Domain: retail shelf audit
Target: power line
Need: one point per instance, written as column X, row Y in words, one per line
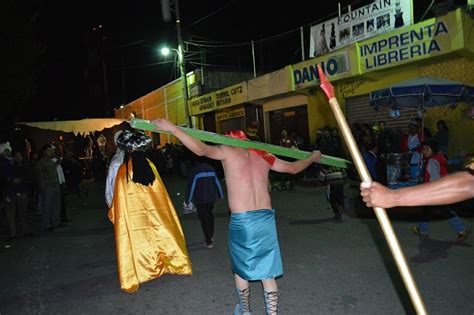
column 143, row 66
column 218, row 46
column 208, row 40
column 209, row 65
column 173, row 71
column 126, row 45
column 211, row 14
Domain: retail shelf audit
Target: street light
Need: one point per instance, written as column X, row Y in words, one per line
column 165, row 51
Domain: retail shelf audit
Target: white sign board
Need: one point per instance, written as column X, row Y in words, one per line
column 361, row 23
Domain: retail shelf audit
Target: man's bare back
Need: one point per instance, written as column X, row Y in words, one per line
column 246, row 176
column 246, row 173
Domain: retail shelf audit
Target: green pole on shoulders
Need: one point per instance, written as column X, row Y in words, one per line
column 207, row 136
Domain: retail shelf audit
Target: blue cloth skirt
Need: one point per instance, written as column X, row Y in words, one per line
column 253, row 245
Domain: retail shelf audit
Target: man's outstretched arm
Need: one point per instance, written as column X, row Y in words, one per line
column 296, row 166
column 447, row 190
column 196, row 146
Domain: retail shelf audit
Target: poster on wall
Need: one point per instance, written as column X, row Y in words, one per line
column 379, row 17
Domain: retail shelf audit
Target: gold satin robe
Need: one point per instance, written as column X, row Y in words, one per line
column 148, row 236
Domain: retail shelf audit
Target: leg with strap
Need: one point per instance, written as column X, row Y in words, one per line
column 243, row 308
column 271, row 302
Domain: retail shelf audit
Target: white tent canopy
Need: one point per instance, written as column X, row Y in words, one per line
column 83, row 126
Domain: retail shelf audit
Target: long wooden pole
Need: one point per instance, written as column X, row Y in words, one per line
column 380, row 213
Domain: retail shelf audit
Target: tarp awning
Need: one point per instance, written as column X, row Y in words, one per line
column 422, row 92
column 83, row 126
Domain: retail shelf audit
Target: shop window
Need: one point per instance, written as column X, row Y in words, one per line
column 232, row 124
column 294, row 119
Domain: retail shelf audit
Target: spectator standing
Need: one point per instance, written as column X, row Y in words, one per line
column 299, row 141
column 333, row 179
column 17, row 179
column 442, row 136
column 202, row 189
column 49, row 189
column 286, row 140
column 412, row 142
column 101, row 142
column 435, row 168
column 337, row 142
column 370, row 159
column 357, row 132
column 34, row 200
column 73, row 173
column 62, row 184
column 367, row 137
column 319, row 138
column 327, row 145
column 5, row 163
column 420, row 125
column 386, row 140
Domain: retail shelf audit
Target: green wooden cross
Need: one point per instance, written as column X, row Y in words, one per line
column 246, row 144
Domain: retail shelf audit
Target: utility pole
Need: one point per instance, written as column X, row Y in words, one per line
column 182, row 67
column 253, row 61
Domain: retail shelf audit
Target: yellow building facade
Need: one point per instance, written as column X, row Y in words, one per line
column 441, row 47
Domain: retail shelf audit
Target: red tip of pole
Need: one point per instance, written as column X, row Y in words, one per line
column 325, row 84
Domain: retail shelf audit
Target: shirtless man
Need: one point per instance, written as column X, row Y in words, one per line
column 253, row 243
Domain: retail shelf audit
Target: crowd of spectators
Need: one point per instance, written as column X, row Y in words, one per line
column 36, row 185
column 377, row 142
column 26, row 177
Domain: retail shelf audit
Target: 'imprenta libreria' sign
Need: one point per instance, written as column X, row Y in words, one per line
column 420, row 41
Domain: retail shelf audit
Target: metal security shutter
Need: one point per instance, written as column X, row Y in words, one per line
column 358, row 110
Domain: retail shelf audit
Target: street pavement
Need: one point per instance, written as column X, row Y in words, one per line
column 330, row 267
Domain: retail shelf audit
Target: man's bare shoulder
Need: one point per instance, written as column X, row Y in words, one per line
column 228, row 148
column 224, row 151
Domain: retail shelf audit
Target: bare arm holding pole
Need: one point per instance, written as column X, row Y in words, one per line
column 447, row 190
column 380, row 213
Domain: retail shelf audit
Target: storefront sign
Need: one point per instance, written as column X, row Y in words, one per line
column 233, row 95
column 230, row 114
column 305, row 74
column 417, row 42
column 361, row 23
column 202, row 104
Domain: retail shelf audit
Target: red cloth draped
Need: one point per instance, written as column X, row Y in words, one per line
column 239, row 134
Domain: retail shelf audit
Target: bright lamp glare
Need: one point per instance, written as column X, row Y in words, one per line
column 165, row 51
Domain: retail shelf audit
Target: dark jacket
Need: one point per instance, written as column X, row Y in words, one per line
column 202, row 185
column 18, row 177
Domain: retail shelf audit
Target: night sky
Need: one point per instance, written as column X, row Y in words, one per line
column 68, row 87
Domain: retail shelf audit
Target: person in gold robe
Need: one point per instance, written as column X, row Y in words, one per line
column 148, row 236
